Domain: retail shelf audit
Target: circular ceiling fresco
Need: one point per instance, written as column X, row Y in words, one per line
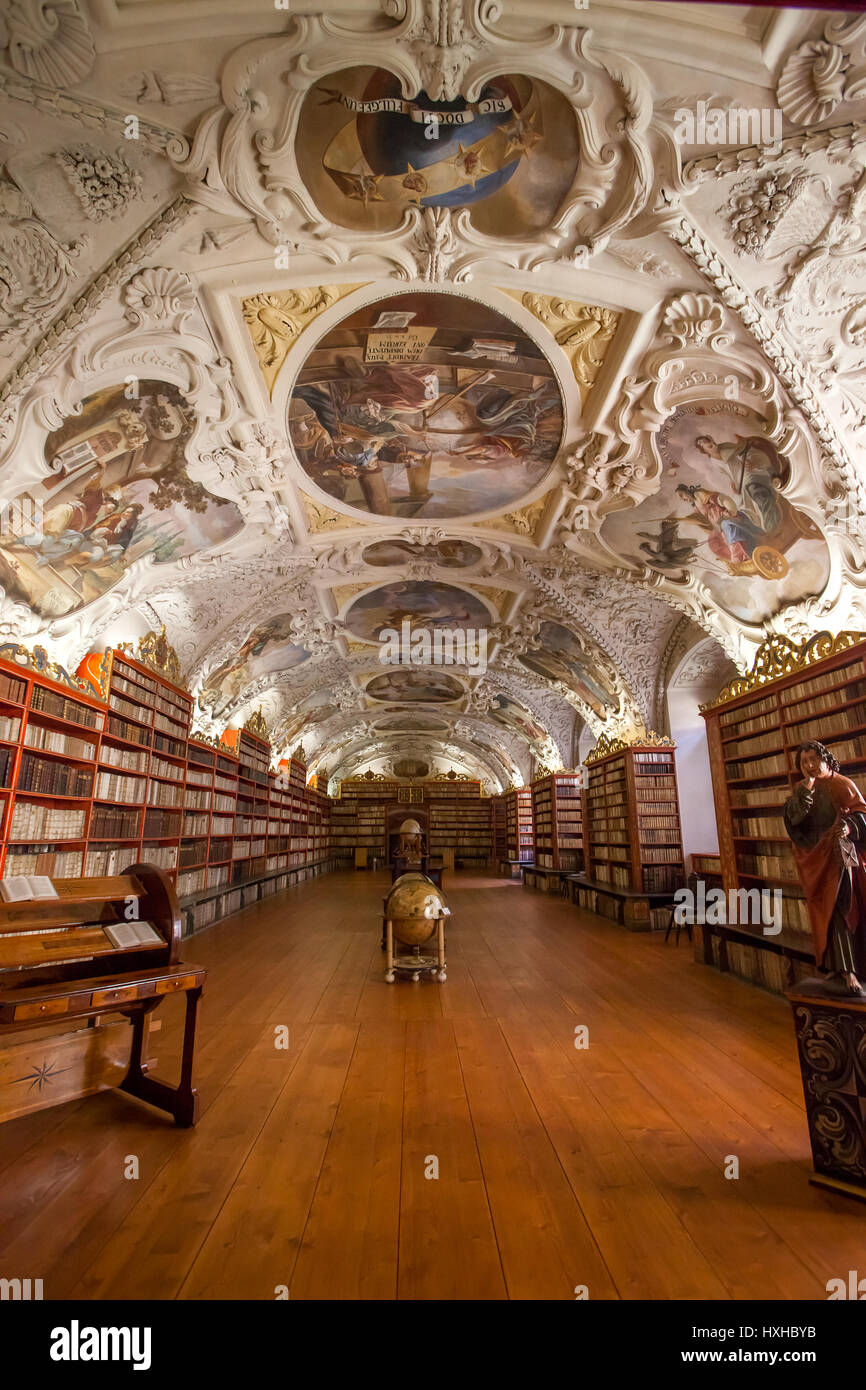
column 417, row 602
column 426, row 405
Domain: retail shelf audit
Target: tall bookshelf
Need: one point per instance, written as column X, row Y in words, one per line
column 519, row 838
column 557, row 819
column 498, row 808
column 634, row 835
column 461, row 820
column 249, row 848
column 50, row 735
column 795, row 692
column 138, row 805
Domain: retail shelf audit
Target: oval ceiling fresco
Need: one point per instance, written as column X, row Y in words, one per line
column 508, row 712
column 560, row 657
column 420, row 603
column 411, row 722
column 399, row 686
column 719, row 514
column 118, row 491
column 267, row 648
column 426, row 405
column 366, row 153
column 454, row 554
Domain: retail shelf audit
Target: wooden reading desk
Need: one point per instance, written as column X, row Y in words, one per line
column 59, row 964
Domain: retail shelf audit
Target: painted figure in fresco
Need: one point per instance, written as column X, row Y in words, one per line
column 755, row 470
column 65, row 525
column 826, row 820
column 668, row 549
column 733, row 535
column 228, row 680
column 414, row 685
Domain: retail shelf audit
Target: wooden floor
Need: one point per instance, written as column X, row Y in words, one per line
column 558, row 1167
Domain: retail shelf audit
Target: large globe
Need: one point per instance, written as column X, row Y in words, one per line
column 412, row 906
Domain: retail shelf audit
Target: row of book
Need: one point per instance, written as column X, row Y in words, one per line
column 659, row 878
column 117, row 786
column 103, row 863
column 52, row 702
column 110, row 823
column 766, row 865
column 733, row 716
column 164, row 794
column 757, row 767
column 133, row 733
column 43, row 860
column 760, row 826
column 10, row 726
column 11, row 688
column 40, row 736
column 163, row 744
column 825, row 680
column 171, row 772
column 842, row 723
column 53, row 778
column 33, row 821
column 766, row 795
column 760, row 723
column 659, row 855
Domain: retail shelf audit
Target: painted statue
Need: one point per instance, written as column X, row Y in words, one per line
column 826, row 820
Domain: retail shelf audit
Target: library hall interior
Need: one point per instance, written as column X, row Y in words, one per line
column 432, row 651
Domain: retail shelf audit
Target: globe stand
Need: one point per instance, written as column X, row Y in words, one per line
column 411, row 962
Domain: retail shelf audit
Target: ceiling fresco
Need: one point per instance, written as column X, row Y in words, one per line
column 426, row 405
column 366, row 153
column 387, row 301
column 418, row 602
column 118, row 490
column 721, row 513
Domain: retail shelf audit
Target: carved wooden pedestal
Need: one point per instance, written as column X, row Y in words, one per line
column 831, row 1040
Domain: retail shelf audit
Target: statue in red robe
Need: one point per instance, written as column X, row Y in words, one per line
column 826, row 820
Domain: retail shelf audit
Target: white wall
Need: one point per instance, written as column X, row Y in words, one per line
column 697, row 808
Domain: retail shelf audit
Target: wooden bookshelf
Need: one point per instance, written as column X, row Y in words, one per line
column 634, row 838
column 500, row 826
column 49, row 754
column 557, row 819
column 519, row 836
column 461, row 822
column 815, row 690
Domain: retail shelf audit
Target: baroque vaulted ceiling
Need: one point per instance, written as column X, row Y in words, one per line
column 517, row 317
